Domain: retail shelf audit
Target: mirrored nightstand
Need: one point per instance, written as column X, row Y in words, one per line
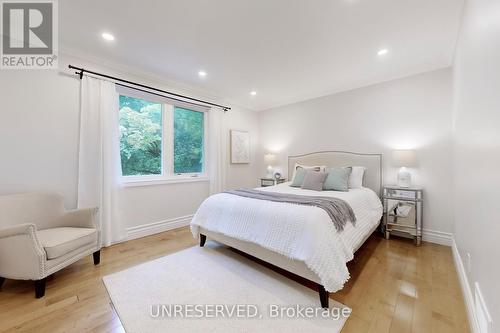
column 271, row 181
column 403, row 212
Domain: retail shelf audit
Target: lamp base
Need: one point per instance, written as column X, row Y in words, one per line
column 404, row 178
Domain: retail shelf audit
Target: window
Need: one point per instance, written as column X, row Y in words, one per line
column 140, row 136
column 160, row 139
column 188, row 141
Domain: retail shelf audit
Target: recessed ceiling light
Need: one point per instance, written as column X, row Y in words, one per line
column 108, row 36
column 382, row 52
column 253, row 93
column 202, row 74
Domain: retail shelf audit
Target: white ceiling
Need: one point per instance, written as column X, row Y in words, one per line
column 286, row 50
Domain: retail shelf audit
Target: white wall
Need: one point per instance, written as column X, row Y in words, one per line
column 39, row 128
column 243, row 175
column 39, row 120
column 477, row 147
column 39, row 138
column 409, row 113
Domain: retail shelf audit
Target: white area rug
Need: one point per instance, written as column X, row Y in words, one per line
column 198, row 282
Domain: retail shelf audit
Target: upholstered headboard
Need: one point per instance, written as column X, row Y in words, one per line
column 372, row 162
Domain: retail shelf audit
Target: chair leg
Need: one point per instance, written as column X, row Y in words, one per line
column 203, row 239
column 97, row 257
column 323, row 297
column 2, row 280
column 40, row 288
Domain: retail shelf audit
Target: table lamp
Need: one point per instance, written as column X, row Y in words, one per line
column 269, row 159
column 404, row 159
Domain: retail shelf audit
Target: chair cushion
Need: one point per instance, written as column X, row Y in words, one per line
column 59, row 241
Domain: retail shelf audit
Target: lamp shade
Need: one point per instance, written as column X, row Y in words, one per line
column 269, row 158
column 404, row 158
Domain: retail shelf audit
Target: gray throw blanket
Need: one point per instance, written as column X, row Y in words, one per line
column 339, row 211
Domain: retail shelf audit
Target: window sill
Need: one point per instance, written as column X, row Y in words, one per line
column 155, row 182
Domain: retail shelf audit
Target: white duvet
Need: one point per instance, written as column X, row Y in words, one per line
column 299, row 232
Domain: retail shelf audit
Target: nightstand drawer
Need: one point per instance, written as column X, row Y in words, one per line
column 398, row 193
column 271, row 181
column 267, row 182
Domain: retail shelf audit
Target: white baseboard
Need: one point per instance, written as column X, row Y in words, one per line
column 157, row 227
column 428, row 235
column 466, row 290
column 431, row 236
column 437, row 237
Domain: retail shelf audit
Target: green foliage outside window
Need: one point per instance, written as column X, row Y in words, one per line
column 188, row 141
column 140, row 136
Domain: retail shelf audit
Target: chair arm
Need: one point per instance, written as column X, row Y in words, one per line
column 20, row 229
column 21, row 254
column 81, row 218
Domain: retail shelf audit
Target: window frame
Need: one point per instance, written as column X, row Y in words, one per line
column 167, row 175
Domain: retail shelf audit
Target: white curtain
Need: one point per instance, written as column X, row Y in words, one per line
column 99, row 169
column 216, row 150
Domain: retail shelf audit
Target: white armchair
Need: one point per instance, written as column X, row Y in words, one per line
column 38, row 237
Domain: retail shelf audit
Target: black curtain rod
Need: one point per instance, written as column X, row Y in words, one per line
column 80, row 72
column 161, row 95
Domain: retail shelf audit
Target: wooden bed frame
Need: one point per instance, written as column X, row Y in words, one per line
column 372, row 179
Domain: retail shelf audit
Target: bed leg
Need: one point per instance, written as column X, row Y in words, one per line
column 323, row 296
column 203, row 239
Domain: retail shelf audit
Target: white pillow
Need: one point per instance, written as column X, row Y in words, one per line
column 356, row 177
column 321, row 168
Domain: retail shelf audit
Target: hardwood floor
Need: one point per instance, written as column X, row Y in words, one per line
column 397, row 287
column 394, row 287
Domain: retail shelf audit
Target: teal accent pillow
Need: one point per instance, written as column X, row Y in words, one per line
column 300, row 174
column 337, row 179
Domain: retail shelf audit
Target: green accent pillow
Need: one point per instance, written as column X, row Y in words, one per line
column 337, row 179
column 300, row 174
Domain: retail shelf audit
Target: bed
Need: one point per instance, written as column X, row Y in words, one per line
column 299, row 239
